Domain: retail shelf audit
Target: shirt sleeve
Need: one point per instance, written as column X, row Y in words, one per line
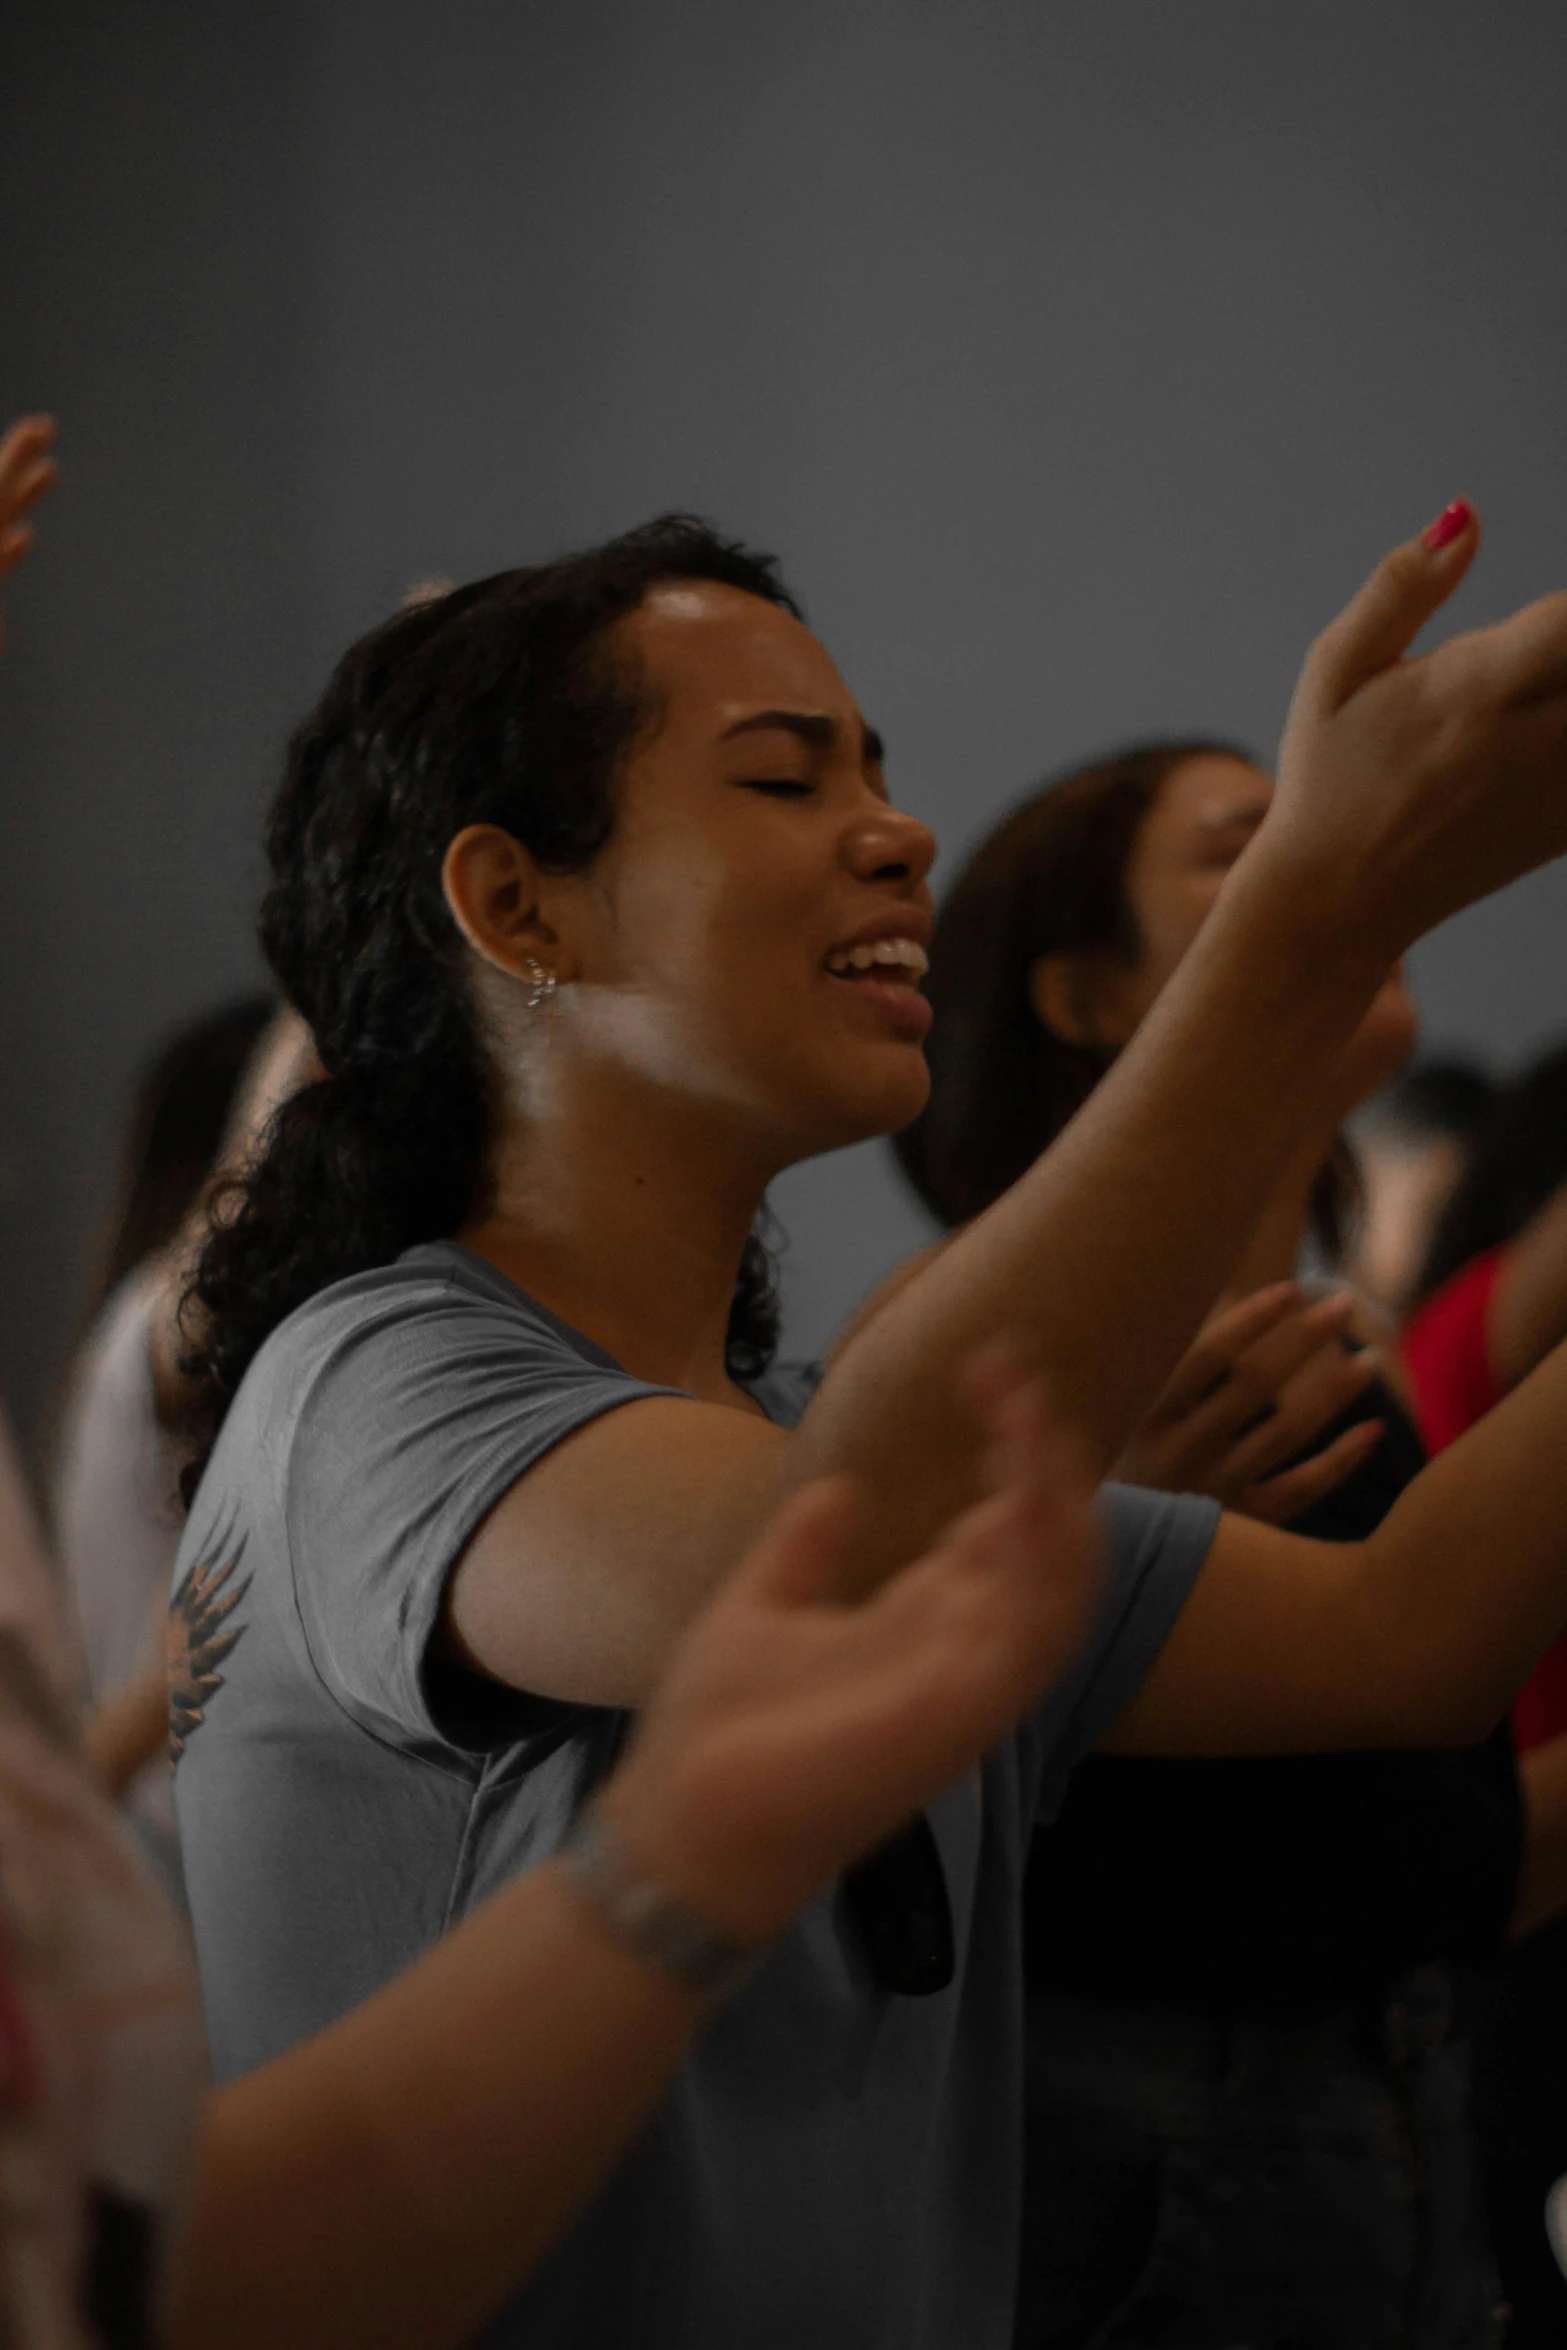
column 1157, row 1543
column 418, row 1415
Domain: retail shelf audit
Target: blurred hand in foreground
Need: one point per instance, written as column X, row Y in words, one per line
column 793, row 1731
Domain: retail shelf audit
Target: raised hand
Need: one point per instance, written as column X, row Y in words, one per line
column 1259, row 1381
column 792, row 1731
column 1409, row 787
column 27, row 472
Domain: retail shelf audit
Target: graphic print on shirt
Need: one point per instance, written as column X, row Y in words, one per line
column 201, row 1636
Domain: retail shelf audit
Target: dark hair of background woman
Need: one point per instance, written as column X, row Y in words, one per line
column 182, row 1104
column 496, row 704
column 1519, row 1158
column 1050, row 879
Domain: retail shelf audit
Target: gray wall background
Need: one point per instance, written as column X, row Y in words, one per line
column 1079, row 358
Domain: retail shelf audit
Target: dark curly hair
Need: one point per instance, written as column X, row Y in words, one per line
column 1050, row 879
column 498, row 703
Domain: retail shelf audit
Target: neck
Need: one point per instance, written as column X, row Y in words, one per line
column 629, row 1222
column 1273, row 1250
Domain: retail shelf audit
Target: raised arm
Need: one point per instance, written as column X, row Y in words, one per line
column 1407, row 788
column 394, row 2179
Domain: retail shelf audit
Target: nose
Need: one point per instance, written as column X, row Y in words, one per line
column 887, row 845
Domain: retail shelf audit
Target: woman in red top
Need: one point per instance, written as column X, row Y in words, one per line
column 1493, row 1303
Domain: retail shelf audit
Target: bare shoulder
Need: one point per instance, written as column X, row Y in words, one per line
column 587, row 1569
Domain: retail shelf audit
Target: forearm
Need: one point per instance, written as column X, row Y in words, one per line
column 1104, row 1259
column 392, row 2180
column 1542, row 1880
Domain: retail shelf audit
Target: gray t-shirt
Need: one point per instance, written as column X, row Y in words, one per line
column 835, row 2164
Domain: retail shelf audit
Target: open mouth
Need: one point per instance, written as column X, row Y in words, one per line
column 895, row 960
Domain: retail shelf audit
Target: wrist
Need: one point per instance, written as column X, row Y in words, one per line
column 657, row 1923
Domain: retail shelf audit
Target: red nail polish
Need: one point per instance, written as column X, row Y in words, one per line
column 1450, row 524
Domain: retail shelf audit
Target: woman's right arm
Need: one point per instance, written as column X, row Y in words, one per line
column 394, row 2179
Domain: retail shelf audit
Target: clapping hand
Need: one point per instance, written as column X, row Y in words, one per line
column 793, row 1730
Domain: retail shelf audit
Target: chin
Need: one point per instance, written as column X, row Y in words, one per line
column 894, row 1102
column 859, row 1105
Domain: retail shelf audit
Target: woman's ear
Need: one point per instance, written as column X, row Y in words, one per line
column 1058, row 989
column 492, row 887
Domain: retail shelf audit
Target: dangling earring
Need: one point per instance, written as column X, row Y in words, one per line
column 542, row 989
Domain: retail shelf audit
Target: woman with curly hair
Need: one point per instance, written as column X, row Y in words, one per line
column 587, row 884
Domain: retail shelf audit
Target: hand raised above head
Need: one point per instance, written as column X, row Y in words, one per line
column 1410, row 787
column 27, row 472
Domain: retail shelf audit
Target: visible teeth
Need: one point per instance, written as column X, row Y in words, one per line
column 902, row 953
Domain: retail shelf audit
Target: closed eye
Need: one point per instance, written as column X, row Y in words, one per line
column 780, row 787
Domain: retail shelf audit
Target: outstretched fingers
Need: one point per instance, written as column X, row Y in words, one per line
column 1522, row 658
column 1380, row 623
column 1280, row 1500
column 1220, row 1344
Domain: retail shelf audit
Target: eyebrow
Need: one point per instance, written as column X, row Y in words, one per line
column 811, row 726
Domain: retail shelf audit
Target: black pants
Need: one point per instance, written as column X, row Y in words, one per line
column 1197, row 2183
column 1522, row 2100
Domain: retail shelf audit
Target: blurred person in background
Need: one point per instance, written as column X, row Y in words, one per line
column 1412, row 1144
column 1491, row 1302
column 1248, row 2103
column 116, row 1511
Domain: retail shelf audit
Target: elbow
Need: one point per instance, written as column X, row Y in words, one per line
column 1471, row 1727
column 1443, row 1693
column 1453, row 1712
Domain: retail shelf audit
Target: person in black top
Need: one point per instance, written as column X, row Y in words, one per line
column 1248, row 2099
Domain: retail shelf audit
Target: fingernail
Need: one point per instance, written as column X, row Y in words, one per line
column 1450, row 524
